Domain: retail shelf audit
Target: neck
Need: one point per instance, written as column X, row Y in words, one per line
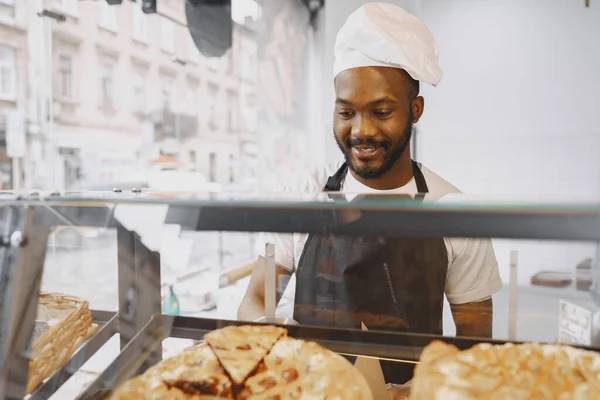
column 399, row 175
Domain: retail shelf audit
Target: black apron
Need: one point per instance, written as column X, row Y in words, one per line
column 387, row 283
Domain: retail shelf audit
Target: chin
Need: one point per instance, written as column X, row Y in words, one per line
column 356, row 163
column 367, row 170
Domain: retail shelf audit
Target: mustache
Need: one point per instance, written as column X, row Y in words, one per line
column 352, row 142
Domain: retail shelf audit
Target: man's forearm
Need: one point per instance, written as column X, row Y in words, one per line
column 253, row 303
column 474, row 319
column 251, row 308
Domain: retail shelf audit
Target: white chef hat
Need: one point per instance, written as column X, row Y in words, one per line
column 385, row 35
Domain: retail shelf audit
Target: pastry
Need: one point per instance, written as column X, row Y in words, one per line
column 195, row 373
column 295, row 369
column 241, row 348
column 63, row 324
column 509, row 371
column 267, row 365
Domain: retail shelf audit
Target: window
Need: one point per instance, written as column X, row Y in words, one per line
column 227, row 61
column 108, row 17
column 212, row 167
column 108, row 85
column 68, row 6
column 8, row 77
column 140, row 23
column 231, row 169
column 231, row 110
column 211, row 99
column 250, row 113
column 139, row 90
column 167, row 94
column 65, row 76
column 190, row 99
column 248, row 66
column 167, row 37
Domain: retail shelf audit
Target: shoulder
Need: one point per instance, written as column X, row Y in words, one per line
column 438, row 186
column 309, row 181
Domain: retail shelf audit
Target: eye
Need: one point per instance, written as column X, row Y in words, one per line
column 346, row 114
column 382, row 113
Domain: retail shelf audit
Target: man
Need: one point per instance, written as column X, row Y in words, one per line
column 382, row 53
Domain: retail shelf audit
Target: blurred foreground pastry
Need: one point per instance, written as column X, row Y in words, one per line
column 249, row 363
column 510, row 371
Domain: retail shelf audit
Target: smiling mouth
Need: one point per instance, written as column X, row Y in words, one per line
column 366, row 152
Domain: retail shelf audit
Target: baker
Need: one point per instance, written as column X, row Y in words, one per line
column 382, row 55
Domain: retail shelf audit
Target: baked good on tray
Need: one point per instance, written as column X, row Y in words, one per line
column 195, row 373
column 249, row 363
column 509, row 371
column 63, row 324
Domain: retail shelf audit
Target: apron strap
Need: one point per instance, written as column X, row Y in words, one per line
column 422, row 188
column 334, row 183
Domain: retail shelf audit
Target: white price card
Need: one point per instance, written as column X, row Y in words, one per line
column 574, row 324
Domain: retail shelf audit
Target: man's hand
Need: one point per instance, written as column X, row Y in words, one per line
column 398, row 392
column 474, row 319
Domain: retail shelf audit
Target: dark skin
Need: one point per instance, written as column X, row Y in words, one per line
column 375, row 105
column 374, row 111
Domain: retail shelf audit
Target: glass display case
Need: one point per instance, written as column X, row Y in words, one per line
column 124, row 255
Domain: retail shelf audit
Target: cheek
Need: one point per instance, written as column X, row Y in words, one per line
column 394, row 129
column 341, row 129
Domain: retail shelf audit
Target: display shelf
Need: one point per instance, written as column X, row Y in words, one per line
column 132, row 360
column 318, row 214
column 388, row 346
column 27, row 221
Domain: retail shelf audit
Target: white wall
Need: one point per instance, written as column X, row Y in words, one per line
column 520, row 98
column 517, row 112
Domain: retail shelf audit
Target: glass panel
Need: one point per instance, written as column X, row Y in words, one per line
column 540, row 290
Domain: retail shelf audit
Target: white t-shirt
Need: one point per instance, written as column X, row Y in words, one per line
column 472, row 267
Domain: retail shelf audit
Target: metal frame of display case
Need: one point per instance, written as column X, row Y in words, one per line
column 27, row 222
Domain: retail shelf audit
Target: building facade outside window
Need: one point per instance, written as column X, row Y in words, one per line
column 8, row 74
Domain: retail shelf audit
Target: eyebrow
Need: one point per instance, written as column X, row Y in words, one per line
column 371, row 103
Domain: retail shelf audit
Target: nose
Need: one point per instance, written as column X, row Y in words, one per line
column 364, row 128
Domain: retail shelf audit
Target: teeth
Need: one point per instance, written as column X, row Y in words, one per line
column 366, row 149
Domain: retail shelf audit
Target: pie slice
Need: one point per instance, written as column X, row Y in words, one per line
column 295, row 369
column 241, row 348
column 194, row 373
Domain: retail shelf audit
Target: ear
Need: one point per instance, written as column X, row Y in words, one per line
column 418, row 105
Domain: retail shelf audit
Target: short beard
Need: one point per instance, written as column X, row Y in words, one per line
column 392, row 154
